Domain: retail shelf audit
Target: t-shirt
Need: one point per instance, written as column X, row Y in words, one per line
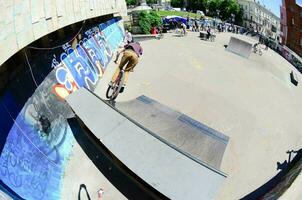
column 128, row 37
column 136, row 47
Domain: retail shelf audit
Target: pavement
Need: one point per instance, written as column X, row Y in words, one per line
column 252, row 101
column 81, row 170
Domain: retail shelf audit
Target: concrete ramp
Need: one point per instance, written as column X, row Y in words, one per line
column 240, row 47
column 187, row 134
column 171, row 172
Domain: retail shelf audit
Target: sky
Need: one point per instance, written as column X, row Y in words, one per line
column 274, row 5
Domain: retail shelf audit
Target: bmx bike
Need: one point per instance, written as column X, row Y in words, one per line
column 212, row 38
column 257, row 50
column 160, row 36
column 114, row 89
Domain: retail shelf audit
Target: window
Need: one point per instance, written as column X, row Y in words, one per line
column 293, row 21
column 301, row 14
column 301, row 42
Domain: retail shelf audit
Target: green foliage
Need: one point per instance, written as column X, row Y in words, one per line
column 149, row 2
column 225, row 8
column 128, row 26
column 177, row 3
column 164, row 13
column 147, row 20
column 131, row 2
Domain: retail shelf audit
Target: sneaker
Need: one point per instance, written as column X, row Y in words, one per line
column 122, row 89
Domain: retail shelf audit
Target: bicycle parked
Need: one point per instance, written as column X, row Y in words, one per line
column 257, row 49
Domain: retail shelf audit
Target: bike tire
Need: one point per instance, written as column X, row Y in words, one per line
column 107, row 92
column 117, row 85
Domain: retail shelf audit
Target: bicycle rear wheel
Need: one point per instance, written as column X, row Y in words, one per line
column 260, row 52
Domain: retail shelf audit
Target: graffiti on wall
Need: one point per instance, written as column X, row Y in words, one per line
column 38, row 144
column 40, row 140
column 85, row 64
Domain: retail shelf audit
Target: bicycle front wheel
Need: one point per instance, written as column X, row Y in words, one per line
column 109, row 92
column 260, row 52
column 113, row 91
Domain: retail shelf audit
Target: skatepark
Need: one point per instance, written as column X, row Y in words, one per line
column 250, row 100
column 197, row 119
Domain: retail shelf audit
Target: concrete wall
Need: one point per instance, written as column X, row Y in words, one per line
column 35, row 138
column 24, row 21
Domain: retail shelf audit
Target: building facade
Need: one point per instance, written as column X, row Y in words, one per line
column 259, row 18
column 25, row 21
column 291, row 25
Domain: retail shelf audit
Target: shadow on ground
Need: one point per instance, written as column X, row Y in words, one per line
column 275, row 187
column 130, row 185
column 83, row 186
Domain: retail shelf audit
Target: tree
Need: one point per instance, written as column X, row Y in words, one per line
column 147, row 20
column 213, row 7
column 195, row 5
column 149, row 2
column 177, row 3
column 131, row 2
column 226, row 9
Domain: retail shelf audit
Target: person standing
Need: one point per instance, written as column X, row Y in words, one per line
column 128, row 37
column 196, row 26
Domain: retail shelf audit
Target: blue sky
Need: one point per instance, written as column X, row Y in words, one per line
column 274, row 5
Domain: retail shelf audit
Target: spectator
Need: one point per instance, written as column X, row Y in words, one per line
column 196, row 26
column 128, row 37
column 154, row 30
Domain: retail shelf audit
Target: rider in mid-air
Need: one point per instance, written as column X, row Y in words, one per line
column 132, row 52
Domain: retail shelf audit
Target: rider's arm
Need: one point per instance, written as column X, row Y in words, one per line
column 118, row 54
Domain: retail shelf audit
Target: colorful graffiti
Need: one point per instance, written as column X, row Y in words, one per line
column 85, row 64
column 37, row 145
column 35, row 152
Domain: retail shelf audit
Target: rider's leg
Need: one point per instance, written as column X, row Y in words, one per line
column 125, row 59
column 130, row 66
